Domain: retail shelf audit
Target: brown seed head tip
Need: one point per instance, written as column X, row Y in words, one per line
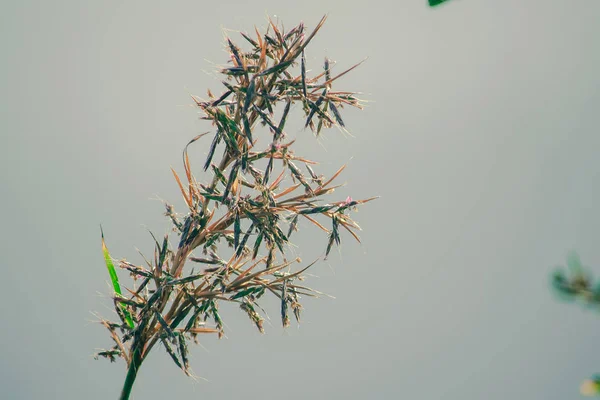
column 298, row 260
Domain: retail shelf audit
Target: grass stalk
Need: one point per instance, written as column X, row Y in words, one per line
column 237, row 221
column 132, row 371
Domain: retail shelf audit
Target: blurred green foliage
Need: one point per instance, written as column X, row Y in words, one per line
column 575, row 282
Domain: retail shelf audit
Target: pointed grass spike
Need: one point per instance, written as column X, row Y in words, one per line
column 186, row 196
column 328, row 81
column 211, row 151
column 313, row 33
column 303, row 74
column 336, row 114
column 186, row 165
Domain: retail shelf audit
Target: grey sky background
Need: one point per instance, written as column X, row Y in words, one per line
column 480, row 137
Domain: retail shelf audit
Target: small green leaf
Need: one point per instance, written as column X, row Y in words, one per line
column 115, row 279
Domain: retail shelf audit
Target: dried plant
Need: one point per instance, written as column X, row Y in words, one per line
column 248, row 210
column 578, row 284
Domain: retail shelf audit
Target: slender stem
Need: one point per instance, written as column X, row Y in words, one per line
column 134, row 366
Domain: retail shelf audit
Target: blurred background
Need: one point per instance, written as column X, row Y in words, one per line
column 480, row 136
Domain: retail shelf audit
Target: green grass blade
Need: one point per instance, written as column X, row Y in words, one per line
column 115, row 280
